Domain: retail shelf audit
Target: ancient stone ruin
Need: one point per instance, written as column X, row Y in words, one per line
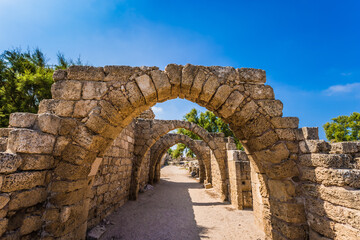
column 94, row 145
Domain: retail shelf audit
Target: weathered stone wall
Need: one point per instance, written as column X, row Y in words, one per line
column 25, row 169
column 239, row 179
column 112, row 180
column 144, row 172
column 215, row 173
column 330, row 175
column 46, row 174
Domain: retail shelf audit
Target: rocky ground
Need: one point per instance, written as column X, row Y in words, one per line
column 179, row 208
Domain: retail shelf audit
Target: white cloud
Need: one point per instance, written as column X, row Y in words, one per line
column 157, row 109
column 338, row 89
column 346, row 74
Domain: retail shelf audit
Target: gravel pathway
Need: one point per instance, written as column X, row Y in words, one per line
column 179, row 208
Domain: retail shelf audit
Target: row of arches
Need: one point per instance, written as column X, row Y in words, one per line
column 91, row 106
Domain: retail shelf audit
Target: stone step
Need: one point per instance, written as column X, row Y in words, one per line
column 328, row 160
column 332, row 176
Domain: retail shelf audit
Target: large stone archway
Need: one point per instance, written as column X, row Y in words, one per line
column 158, row 128
column 90, row 106
column 165, row 142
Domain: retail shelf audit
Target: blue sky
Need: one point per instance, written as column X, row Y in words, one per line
column 309, row 49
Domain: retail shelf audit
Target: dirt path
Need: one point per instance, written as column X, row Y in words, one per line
column 179, row 208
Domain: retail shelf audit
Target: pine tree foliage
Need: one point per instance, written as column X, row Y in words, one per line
column 25, row 80
column 343, row 128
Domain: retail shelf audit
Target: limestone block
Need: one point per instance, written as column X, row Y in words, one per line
column 281, row 190
column 4, row 132
column 188, row 75
column 310, row 133
column 76, row 154
column 27, row 198
column 3, row 225
column 174, row 72
column 135, row 96
column 30, row 224
column 85, row 73
column 258, row 143
column 285, row 122
column 60, row 145
column 3, row 144
column 66, row 90
column 276, row 154
column 290, row 231
column 198, row 83
column 22, row 120
column 209, row 88
column 36, row 162
column 316, row 236
column 49, row 123
column 231, row 104
column 68, row 186
column 67, row 126
column 9, row 162
column 346, row 232
column 247, row 112
column 147, row 88
column 342, row 215
column 4, row 199
column 162, row 84
column 333, row 177
column 120, row 101
column 109, row 112
column 71, row 172
column 314, row 146
column 272, row 107
column 83, row 107
column 335, row 195
column 258, row 92
column 285, row 169
column 96, row 123
column 30, row 141
column 207, row 185
column 251, row 75
column 119, row 73
column 344, row 147
column 325, row 160
column 23, row 180
column 59, row 74
column 94, row 90
column 321, row 225
column 68, row 198
column 255, row 127
column 288, row 212
column 61, row 108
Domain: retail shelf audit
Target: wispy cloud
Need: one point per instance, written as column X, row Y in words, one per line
column 346, row 88
column 157, row 109
column 346, row 74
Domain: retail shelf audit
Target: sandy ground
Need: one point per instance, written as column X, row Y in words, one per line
column 179, row 208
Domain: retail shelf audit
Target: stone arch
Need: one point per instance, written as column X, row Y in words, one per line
column 90, row 107
column 159, row 128
column 168, row 140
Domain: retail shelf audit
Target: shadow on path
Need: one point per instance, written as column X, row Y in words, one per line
column 164, row 213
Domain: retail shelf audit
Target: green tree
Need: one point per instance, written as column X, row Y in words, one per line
column 25, row 79
column 343, row 128
column 210, row 122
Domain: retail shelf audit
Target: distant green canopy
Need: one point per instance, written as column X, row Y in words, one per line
column 207, row 120
column 25, row 80
column 343, row 128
